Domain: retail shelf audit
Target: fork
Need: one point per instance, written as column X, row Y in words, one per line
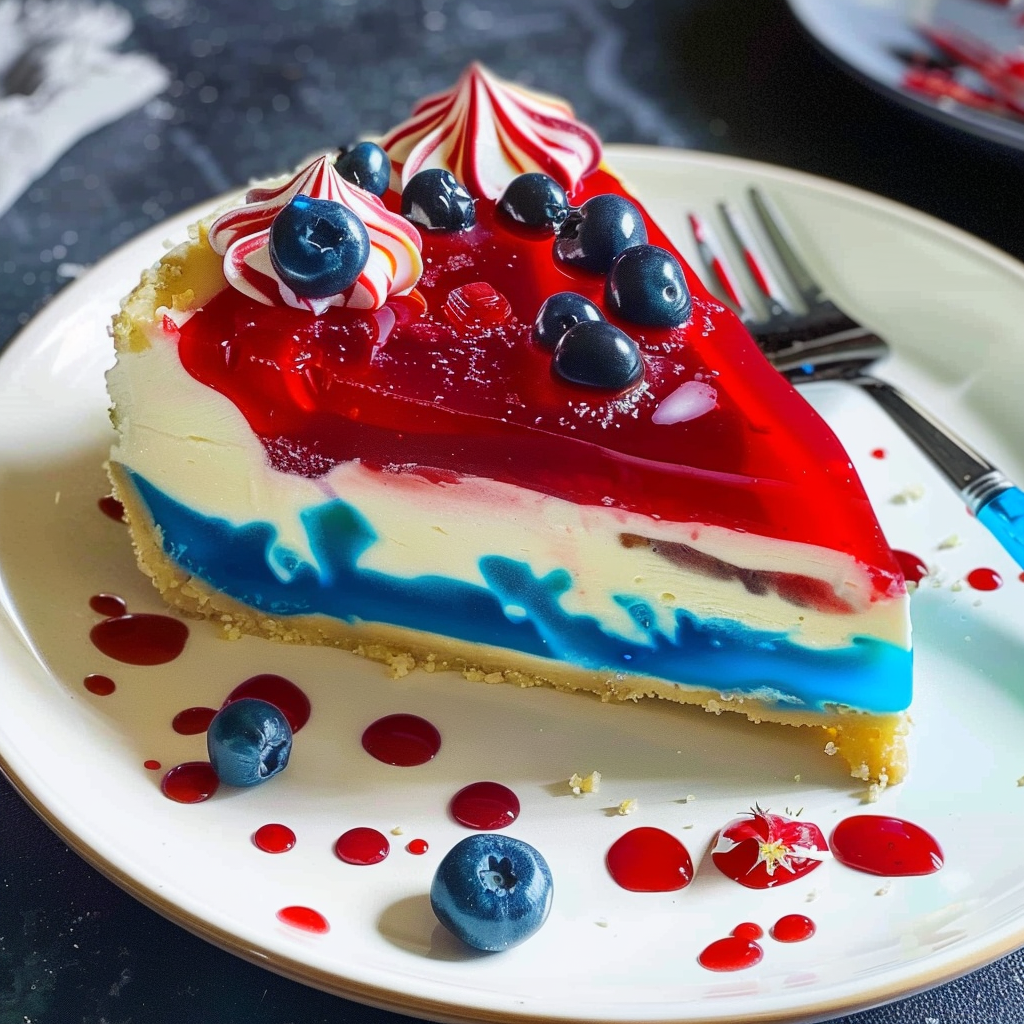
column 823, row 342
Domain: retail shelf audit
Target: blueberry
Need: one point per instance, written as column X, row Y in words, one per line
column 535, row 200
column 436, row 201
column 646, row 286
column 492, row 891
column 318, row 247
column 560, row 312
column 598, row 355
column 592, row 236
column 248, row 742
column 366, row 165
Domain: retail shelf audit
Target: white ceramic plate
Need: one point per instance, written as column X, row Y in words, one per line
column 868, row 35
column 952, row 305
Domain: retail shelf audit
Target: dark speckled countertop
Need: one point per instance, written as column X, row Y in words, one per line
column 257, row 86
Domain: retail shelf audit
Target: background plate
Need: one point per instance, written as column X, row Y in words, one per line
column 952, row 306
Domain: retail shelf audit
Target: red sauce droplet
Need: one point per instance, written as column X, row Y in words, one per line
column 192, row 721
column 1021, row 577
column 748, row 930
column 108, row 604
column 102, row 686
column 362, row 846
column 151, row 765
column 649, row 860
column 140, row 639
column 984, row 579
column 274, row 838
column 190, row 783
column 878, row 453
column 793, row 928
column 881, row 845
column 403, row 740
column 305, row 918
column 110, row 506
column 288, row 698
column 417, row 846
column 731, row 954
column 485, row 806
column 913, row 568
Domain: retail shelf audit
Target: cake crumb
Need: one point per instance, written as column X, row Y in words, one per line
column 874, row 791
column 861, row 772
column 56, row 498
column 956, row 586
column 627, row 806
column 689, row 826
column 398, row 831
column 494, row 677
column 884, row 890
column 401, row 665
column 689, row 798
column 912, row 492
column 811, row 896
column 952, row 541
column 585, row 783
column 830, row 748
column 601, row 923
column 1020, row 781
column 796, row 778
column 714, row 707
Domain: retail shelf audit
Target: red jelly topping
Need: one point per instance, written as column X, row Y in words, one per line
column 274, row 838
column 102, row 686
column 140, row 639
column 984, row 579
column 417, row 846
column 190, row 783
column 485, row 806
column 885, row 846
column 304, row 918
column 406, row 388
column 108, row 604
column 288, row 698
column 403, row 740
column 362, row 846
column 110, row 506
column 649, row 860
column 793, row 928
column 914, row 569
column 731, row 954
column 192, row 721
column 748, row 930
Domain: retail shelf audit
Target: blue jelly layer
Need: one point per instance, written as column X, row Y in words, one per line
column 518, row 610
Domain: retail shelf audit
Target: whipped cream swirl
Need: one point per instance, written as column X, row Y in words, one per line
column 486, row 131
column 242, row 237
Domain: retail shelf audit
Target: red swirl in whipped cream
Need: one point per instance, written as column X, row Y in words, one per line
column 242, row 237
column 486, row 131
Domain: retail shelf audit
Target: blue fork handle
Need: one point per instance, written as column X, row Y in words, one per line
column 1003, row 515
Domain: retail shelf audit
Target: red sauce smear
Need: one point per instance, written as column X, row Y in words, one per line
column 362, row 846
column 304, row 918
column 109, row 605
column 273, row 838
column 402, row 739
column 110, row 506
column 984, row 579
column 288, row 698
column 881, row 845
column 913, row 567
column 192, row 721
column 102, row 686
column 793, row 928
column 731, row 954
column 484, row 806
column 190, row 783
column 649, row 860
column 140, row 639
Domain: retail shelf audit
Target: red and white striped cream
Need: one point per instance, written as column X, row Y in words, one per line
column 486, row 131
column 242, row 237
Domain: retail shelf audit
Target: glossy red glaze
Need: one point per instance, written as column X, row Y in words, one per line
column 192, row 721
column 288, row 698
column 793, row 928
column 274, row 838
column 190, row 783
column 101, row 686
column 403, row 740
column 151, row 765
column 914, row 569
column 881, row 845
column 109, row 605
column 417, row 846
column 748, row 930
column 141, row 639
column 649, row 860
column 730, row 954
column 362, row 846
column 304, row 918
column 110, row 506
column 405, row 388
column 984, row 579
column 484, row 806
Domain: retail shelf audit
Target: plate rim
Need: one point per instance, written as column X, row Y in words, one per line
column 905, row 983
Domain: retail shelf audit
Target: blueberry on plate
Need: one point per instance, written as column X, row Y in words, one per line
column 248, row 742
column 558, row 313
column 434, row 200
column 592, row 236
column 492, row 891
column 366, row 165
column 318, row 247
column 535, row 200
column 646, row 286
column 597, row 354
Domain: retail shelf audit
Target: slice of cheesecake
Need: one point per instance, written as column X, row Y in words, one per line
column 490, row 421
